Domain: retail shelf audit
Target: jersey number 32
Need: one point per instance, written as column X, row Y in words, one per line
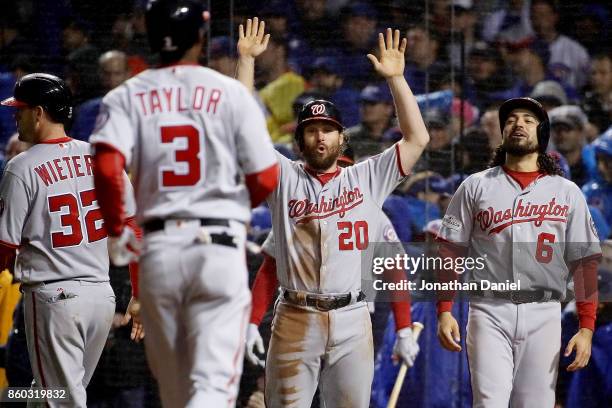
column 72, row 221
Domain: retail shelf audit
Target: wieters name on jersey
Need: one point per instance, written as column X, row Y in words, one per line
column 63, row 168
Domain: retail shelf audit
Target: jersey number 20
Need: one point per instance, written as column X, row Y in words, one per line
column 353, row 235
column 71, row 219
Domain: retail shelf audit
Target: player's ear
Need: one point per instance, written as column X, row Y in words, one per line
column 39, row 112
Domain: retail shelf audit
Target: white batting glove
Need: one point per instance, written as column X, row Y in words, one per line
column 125, row 248
column 406, row 347
column 254, row 340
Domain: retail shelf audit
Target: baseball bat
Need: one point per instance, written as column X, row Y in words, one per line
column 417, row 327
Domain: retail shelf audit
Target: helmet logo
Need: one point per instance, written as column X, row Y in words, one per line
column 317, row 109
column 168, row 46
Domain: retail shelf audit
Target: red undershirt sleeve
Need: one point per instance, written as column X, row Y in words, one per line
column 448, row 249
column 584, row 275
column 133, row 267
column 264, row 288
column 108, row 178
column 261, row 184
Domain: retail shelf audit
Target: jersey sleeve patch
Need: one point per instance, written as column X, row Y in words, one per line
column 389, row 234
column 452, row 222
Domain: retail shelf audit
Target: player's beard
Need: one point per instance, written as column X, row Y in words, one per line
column 322, row 161
column 519, row 147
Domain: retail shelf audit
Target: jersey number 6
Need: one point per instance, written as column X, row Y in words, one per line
column 544, row 252
column 72, row 219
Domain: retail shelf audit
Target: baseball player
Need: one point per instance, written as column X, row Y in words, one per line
column 533, row 228
column 200, row 156
column 53, row 238
column 322, row 218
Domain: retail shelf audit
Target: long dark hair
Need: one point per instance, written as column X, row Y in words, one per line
column 546, row 162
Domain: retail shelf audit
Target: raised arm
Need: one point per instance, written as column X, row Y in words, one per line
column 251, row 43
column 391, row 67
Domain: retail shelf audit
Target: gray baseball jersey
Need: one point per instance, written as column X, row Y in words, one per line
column 189, row 135
column 321, row 230
column 528, row 235
column 49, row 210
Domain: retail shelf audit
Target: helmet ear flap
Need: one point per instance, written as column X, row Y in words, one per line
column 543, row 135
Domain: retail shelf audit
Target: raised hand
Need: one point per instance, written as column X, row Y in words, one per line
column 252, row 42
column 391, row 50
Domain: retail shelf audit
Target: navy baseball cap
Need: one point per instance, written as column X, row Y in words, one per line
column 375, row 94
column 328, row 64
column 222, row 47
column 360, row 9
column 435, row 118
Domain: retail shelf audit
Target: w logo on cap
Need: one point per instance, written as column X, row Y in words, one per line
column 317, row 109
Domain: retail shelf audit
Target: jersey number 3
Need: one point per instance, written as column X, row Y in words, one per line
column 186, row 169
column 71, row 219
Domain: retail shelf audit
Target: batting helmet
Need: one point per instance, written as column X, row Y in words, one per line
column 174, row 26
column 44, row 90
column 603, row 144
column 319, row 109
column 533, row 106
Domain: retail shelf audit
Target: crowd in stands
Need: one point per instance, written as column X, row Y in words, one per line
column 463, row 59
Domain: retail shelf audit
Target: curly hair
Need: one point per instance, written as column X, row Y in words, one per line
column 546, row 162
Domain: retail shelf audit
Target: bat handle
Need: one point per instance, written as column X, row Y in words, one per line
column 417, row 327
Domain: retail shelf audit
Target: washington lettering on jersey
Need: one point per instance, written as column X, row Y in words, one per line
column 171, row 99
column 64, row 168
column 326, row 207
column 497, row 221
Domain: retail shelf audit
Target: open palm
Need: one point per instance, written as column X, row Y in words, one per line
column 252, row 41
column 391, row 50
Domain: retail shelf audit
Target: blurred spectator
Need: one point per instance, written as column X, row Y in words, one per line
column 7, row 116
column 358, row 38
column 129, row 35
column 113, row 70
column 313, row 21
column 424, row 67
column 550, row 94
column 597, row 102
column 423, row 192
column 489, row 122
column 376, row 111
column 488, row 80
column 223, row 56
column 511, row 22
column 13, row 43
column 470, row 113
column 122, row 374
column 567, row 124
column 591, row 26
column 464, row 24
column 599, row 192
column 439, row 156
column 276, row 14
column 529, row 69
column 473, row 152
column 569, row 61
column 326, row 78
column 14, row 146
column 402, row 14
column 82, row 60
column 283, row 86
